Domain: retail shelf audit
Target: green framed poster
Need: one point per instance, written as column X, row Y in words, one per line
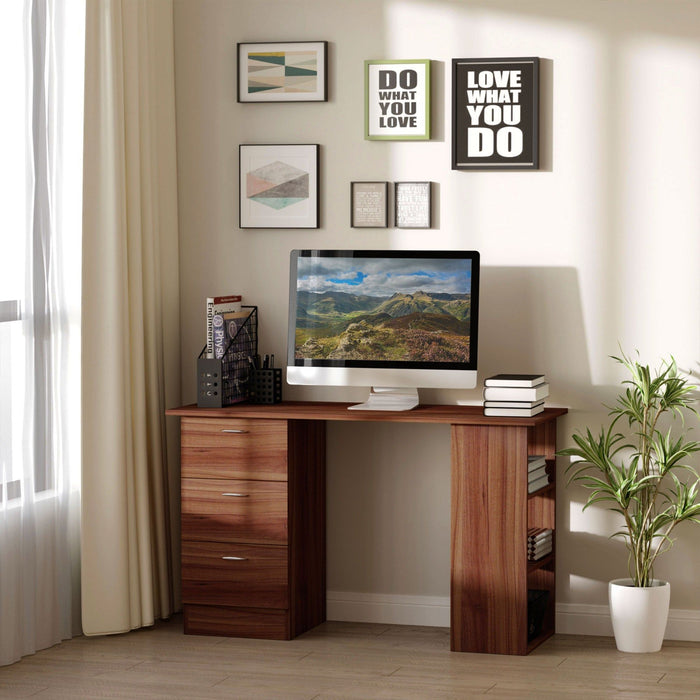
column 397, row 100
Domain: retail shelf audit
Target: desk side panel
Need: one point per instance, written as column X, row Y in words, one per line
column 489, row 531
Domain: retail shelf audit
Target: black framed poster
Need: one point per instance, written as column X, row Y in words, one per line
column 495, row 113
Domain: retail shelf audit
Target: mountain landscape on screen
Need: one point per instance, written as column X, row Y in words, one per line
column 420, row 326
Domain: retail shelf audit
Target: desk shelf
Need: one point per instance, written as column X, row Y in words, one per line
column 491, row 514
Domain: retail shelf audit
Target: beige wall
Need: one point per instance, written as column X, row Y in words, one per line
column 601, row 245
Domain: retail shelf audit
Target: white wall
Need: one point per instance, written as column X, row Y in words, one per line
column 601, row 245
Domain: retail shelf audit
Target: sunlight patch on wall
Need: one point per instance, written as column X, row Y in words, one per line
column 659, row 221
column 595, row 520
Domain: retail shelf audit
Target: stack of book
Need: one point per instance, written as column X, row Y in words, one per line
column 537, row 476
column 539, row 543
column 515, row 394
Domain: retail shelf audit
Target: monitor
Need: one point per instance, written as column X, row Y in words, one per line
column 393, row 320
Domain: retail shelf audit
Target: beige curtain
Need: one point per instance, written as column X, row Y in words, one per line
column 130, row 317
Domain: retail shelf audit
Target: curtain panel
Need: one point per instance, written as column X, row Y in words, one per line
column 130, row 349
column 40, row 177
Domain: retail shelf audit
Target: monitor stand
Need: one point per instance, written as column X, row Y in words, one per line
column 388, row 399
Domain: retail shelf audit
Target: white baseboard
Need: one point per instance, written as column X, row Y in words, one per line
column 434, row 611
column 683, row 625
column 427, row 611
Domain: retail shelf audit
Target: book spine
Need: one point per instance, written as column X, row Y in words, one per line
column 231, row 298
column 219, row 336
column 210, row 328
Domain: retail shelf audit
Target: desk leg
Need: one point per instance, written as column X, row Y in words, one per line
column 307, row 524
column 489, row 531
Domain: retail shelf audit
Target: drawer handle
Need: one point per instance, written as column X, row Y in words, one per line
column 236, row 495
column 235, row 558
column 233, row 430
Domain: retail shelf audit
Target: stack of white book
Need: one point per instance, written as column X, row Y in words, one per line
column 537, row 476
column 539, row 543
column 515, row 394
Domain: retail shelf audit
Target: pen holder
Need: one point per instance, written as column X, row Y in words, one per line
column 265, row 385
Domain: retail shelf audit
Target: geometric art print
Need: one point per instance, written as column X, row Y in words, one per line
column 282, row 71
column 277, row 185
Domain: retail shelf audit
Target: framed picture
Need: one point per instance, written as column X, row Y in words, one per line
column 397, row 100
column 291, row 71
column 369, row 204
column 495, row 113
column 412, row 205
column 278, row 186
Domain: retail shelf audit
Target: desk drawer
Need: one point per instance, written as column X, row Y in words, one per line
column 258, row 623
column 255, row 576
column 234, row 510
column 239, row 448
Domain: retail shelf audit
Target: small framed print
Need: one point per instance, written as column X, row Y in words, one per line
column 397, row 100
column 412, row 204
column 369, row 204
column 495, row 113
column 278, row 186
column 292, row 71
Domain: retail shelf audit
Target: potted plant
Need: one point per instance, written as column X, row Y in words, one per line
column 638, row 474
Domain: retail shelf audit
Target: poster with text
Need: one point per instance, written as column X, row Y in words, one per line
column 495, row 120
column 397, row 100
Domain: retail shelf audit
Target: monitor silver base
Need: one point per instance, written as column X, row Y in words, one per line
column 388, row 399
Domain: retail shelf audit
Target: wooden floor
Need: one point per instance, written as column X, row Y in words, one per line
column 345, row 660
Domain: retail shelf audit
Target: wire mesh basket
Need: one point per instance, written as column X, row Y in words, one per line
column 226, row 380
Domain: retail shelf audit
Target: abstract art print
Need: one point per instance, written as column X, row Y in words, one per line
column 283, row 72
column 278, row 186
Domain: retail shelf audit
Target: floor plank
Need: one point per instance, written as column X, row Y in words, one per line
column 343, row 660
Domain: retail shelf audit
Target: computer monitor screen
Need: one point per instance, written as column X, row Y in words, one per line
column 383, row 318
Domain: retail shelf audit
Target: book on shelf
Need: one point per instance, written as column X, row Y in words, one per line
column 537, row 484
column 514, row 393
column 536, row 473
column 226, row 328
column 539, row 543
column 542, row 546
column 219, row 305
column 535, row 556
column 536, row 535
column 514, row 412
column 515, row 380
column 513, row 404
column 535, row 462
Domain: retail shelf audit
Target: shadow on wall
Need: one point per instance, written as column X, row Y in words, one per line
column 531, row 320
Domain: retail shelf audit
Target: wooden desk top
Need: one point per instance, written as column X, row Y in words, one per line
column 326, row 410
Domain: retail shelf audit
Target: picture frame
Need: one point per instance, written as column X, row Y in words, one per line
column 397, row 100
column 412, row 205
column 290, row 71
column 495, row 113
column 278, row 186
column 369, row 204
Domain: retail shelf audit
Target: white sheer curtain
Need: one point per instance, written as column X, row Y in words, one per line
column 40, row 258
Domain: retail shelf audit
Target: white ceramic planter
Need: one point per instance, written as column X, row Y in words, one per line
column 638, row 614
